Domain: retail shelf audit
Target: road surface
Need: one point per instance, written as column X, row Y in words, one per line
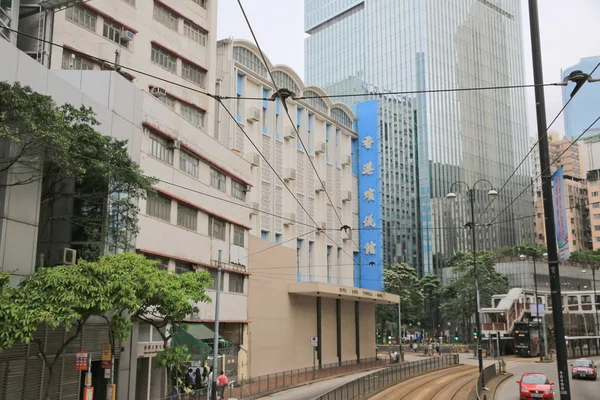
column 580, row 389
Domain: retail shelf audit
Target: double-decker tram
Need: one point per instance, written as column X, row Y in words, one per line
column 526, row 339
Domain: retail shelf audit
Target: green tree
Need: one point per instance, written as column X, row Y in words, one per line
column 166, row 301
column 431, row 286
column 586, row 257
column 402, row 280
column 460, row 296
column 89, row 177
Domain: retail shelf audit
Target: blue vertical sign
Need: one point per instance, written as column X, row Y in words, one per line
column 560, row 214
column 369, row 196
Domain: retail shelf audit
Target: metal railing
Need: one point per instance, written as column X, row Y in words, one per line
column 485, row 376
column 583, row 347
column 266, row 384
column 377, row 381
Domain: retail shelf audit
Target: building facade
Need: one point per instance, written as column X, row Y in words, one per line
column 583, row 109
column 428, row 45
column 309, row 277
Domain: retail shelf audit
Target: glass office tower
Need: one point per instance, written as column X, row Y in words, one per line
column 583, row 109
column 382, row 46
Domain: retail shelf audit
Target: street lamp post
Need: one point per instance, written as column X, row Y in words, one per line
column 596, row 322
column 537, row 307
column 452, row 196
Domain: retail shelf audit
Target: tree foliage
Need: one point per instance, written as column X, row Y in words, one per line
column 93, row 173
column 586, row 257
column 120, row 288
column 402, row 280
column 460, row 295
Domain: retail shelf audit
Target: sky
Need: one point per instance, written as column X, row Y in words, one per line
column 569, row 31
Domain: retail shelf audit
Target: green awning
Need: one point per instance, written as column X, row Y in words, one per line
column 197, row 348
column 199, row 341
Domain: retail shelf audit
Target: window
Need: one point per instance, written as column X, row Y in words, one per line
column 163, row 262
column 187, row 217
column 238, row 235
column 193, row 74
column 188, row 163
column 596, row 205
column 597, row 228
column 573, row 303
column 168, row 101
column 164, row 59
column 329, row 248
column 598, row 240
column 264, row 235
column 159, row 148
column 596, row 216
column 166, row 17
column 238, row 190
column 213, row 276
column 193, row 115
column 82, row 16
column 76, row 62
column 218, row 180
column 298, row 254
column 594, row 194
column 112, row 32
column 586, row 302
column 236, row 283
column 201, row 3
column 216, row 228
column 194, row 32
column 159, row 206
column 181, row 267
column 278, row 238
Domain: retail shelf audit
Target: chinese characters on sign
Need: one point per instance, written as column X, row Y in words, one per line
column 369, row 258
column 81, row 361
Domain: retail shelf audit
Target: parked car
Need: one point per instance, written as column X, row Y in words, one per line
column 584, row 369
column 535, row 386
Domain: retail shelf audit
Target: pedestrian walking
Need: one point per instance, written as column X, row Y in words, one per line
column 222, row 384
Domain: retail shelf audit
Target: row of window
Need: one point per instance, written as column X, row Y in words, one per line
column 162, row 149
column 168, row 61
column 192, row 114
column 236, row 281
column 159, row 206
column 88, row 19
column 171, row 20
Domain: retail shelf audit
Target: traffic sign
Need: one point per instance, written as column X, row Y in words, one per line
column 314, row 341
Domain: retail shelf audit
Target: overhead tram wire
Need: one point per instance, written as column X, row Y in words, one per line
column 543, row 172
column 531, row 149
column 278, row 244
column 298, row 136
column 101, row 60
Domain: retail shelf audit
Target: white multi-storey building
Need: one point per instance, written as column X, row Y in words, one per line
column 303, row 275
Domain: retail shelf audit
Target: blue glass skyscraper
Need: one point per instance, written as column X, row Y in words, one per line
column 584, row 107
column 430, row 140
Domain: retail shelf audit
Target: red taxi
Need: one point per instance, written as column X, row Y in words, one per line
column 535, row 386
column 584, row 369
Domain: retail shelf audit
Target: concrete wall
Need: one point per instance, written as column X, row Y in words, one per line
column 281, row 324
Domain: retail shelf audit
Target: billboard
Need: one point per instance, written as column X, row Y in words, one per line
column 369, row 196
column 560, row 214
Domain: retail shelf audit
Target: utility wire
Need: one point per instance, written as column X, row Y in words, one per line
column 531, row 149
column 122, row 66
column 298, row 136
column 546, row 170
column 277, row 244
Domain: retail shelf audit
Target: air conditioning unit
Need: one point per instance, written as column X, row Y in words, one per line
column 253, row 158
column 320, row 188
column 289, row 218
column 253, row 115
column 320, row 147
column 255, row 208
column 127, row 36
column 290, row 133
column 68, row 256
column 347, row 195
column 346, row 159
column 157, row 91
column 247, row 188
column 289, row 174
column 175, row 144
